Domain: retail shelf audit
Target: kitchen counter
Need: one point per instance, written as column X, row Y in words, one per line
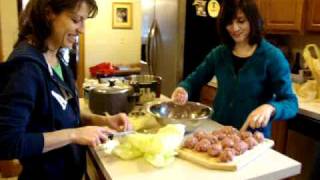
column 270, row 165
column 310, row 109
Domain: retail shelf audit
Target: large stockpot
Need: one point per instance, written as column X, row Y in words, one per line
column 112, row 99
column 148, row 86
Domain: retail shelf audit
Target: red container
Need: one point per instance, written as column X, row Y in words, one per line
column 102, row 69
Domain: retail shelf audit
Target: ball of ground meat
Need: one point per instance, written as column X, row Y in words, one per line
column 212, row 138
column 202, row 146
column 190, row 142
column 221, row 136
column 258, row 136
column 228, row 130
column 215, row 150
column 200, row 135
column 240, row 147
column 226, row 155
column 227, row 142
column 251, row 141
column 236, row 138
column 245, row 134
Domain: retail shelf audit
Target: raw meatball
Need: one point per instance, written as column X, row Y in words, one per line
column 200, row 135
column 241, row 147
column 215, row 150
column 230, row 149
column 202, row 146
column 258, row 136
column 226, row 155
column 190, row 142
column 235, row 138
column 221, row 136
column 228, row 130
column 251, row 141
column 227, row 142
column 245, row 134
column 212, row 138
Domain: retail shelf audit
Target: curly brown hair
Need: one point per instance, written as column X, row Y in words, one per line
column 34, row 24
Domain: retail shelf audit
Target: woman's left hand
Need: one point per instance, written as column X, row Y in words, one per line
column 120, row 122
column 259, row 117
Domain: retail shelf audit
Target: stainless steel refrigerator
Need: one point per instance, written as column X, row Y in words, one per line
column 175, row 39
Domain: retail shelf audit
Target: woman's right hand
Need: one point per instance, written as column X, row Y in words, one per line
column 90, row 135
column 179, row 96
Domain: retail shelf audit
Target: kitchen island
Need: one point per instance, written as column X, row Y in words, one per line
column 270, row 165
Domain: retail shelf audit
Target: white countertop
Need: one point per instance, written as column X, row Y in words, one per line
column 270, row 165
column 310, row 109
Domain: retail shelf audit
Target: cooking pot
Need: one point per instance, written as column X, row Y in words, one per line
column 112, row 99
column 148, row 86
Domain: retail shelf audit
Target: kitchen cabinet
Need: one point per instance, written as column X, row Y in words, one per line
column 313, row 16
column 290, row 16
column 303, row 141
column 282, row 16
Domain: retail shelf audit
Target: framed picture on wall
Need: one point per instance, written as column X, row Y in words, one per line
column 121, row 15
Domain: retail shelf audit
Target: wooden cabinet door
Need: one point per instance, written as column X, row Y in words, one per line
column 282, row 15
column 313, row 15
column 258, row 2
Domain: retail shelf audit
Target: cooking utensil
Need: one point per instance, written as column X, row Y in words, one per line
column 191, row 114
column 119, row 134
column 112, row 98
column 148, row 86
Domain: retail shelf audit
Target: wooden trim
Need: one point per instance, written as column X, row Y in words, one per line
column 81, row 65
column 279, row 135
column 1, row 50
column 19, row 4
column 10, row 168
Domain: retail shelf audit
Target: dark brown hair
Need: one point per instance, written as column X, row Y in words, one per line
column 34, row 24
column 228, row 12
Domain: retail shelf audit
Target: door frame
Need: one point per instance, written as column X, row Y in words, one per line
column 81, row 64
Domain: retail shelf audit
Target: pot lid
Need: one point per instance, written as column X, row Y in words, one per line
column 116, row 89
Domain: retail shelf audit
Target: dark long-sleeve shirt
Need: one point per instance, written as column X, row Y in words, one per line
column 264, row 79
column 34, row 101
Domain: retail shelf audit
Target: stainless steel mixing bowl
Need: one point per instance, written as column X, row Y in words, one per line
column 191, row 114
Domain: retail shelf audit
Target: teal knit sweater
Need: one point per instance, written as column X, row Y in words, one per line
column 264, row 78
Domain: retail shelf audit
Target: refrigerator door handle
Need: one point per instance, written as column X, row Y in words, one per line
column 150, row 47
column 147, row 51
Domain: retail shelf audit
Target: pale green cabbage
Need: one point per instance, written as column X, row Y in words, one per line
column 158, row 149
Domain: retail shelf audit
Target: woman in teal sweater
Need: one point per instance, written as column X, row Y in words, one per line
column 253, row 75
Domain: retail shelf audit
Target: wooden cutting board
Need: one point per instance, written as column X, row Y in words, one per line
column 213, row 163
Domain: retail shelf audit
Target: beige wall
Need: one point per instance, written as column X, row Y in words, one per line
column 9, row 25
column 119, row 46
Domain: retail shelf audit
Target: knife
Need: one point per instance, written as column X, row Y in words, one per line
column 119, row 134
